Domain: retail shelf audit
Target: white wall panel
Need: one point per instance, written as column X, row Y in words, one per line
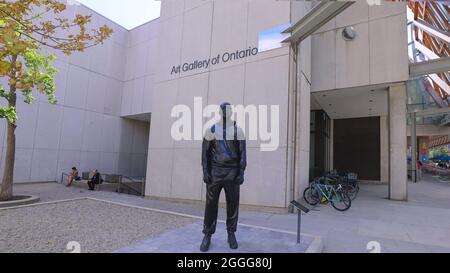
column 72, row 129
column 44, row 164
column 77, row 87
column 49, row 124
column 26, row 123
column 96, row 93
column 113, row 97
column 90, row 161
column 138, row 95
column 22, row 167
column 92, row 132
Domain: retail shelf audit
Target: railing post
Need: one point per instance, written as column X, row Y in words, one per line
column 299, row 224
column 120, row 182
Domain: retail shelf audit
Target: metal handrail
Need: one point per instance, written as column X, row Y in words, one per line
column 62, row 176
column 142, row 193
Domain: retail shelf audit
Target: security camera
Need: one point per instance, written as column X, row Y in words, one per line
column 348, row 33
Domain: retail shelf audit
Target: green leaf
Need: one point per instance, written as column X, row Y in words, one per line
column 3, row 93
column 4, row 68
column 40, row 73
column 29, row 98
column 8, row 113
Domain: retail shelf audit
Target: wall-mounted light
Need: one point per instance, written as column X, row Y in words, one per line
column 349, row 33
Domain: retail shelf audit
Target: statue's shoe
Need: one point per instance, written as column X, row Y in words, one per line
column 232, row 240
column 205, row 243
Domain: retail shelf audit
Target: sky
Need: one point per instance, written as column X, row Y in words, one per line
column 272, row 38
column 128, row 13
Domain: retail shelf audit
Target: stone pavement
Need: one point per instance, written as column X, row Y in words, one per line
column 95, row 226
column 187, row 239
column 420, row 225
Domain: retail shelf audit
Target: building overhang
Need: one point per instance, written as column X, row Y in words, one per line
column 429, row 67
column 431, row 112
column 313, row 20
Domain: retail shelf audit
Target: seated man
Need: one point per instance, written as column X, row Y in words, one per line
column 95, row 180
column 73, row 176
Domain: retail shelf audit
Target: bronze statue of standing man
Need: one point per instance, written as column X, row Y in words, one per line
column 224, row 161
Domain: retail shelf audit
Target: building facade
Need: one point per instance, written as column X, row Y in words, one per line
column 116, row 100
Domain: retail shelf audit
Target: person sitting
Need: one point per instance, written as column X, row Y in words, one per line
column 95, row 180
column 73, row 176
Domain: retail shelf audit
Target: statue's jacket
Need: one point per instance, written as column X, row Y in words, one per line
column 224, row 152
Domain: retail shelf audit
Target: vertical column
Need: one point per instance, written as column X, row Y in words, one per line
column 331, row 159
column 398, row 181
column 303, row 116
column 384, row 152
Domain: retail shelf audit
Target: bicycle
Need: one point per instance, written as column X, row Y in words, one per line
column 351, row 184
column 348, row 182
column 335, row 194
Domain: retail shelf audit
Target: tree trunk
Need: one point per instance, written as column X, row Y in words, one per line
column 8, row 172
column 6, row 191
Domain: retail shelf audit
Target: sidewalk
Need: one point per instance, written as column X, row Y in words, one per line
column 420, row 225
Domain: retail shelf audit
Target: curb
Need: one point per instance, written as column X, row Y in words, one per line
column 316, row 245
column 41, row 203
column 18, row 203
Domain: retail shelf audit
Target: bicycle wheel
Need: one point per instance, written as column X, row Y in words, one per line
column 352, row 191
column 311, row 196
column 341, row 201
column 356, row 188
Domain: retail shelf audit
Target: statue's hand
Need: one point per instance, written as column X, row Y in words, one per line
column 241, row 178
column 207, row 177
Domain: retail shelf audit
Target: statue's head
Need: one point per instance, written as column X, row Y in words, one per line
column 225, row 110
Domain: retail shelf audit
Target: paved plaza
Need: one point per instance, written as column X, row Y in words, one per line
column 91, row 225
column 420, row 225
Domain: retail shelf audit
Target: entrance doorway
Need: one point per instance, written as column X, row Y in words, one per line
column 357, row 146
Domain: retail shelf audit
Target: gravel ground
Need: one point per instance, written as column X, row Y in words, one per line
column 97, row 226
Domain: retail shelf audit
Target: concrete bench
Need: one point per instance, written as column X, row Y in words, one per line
column 110, row 181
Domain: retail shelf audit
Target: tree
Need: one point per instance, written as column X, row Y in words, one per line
column 25, row 30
